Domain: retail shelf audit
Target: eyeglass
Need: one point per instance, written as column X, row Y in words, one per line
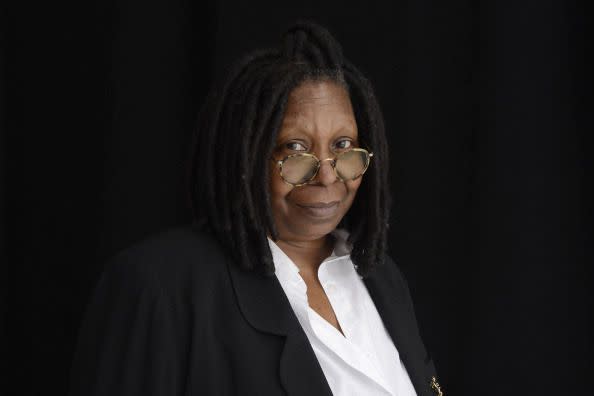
column 300, row 168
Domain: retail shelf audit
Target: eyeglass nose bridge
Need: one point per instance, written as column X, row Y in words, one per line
column 319, row 166
column 333, row 163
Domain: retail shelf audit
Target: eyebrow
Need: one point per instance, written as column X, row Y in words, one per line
column 298, row 129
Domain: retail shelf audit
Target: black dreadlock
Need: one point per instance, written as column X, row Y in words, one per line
column 229, row 188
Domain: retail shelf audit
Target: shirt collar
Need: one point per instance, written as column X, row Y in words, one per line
column 285, row 268
column 293, row 284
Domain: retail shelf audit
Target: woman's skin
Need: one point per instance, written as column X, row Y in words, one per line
column 319, row 119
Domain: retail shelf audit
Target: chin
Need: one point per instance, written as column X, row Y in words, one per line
column 319, row 230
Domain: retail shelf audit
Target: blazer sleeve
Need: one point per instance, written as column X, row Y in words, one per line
column 126, row 344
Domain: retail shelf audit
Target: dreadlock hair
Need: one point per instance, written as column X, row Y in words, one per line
column 229, row 181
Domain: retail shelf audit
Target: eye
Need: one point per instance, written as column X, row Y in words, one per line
column 295, row 146
column 344, row 144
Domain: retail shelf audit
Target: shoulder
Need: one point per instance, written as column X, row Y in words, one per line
column 171, row 260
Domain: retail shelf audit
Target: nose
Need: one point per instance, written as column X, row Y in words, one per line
column 326, row 175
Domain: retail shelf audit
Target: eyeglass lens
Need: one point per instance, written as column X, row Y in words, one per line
column 301, row 168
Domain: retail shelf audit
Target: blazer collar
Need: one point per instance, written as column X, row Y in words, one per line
column 266, row 307
column 395, row 311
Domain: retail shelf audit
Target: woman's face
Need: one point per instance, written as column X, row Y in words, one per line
column 319, row 119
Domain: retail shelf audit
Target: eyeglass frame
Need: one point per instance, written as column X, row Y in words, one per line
column 319, row 165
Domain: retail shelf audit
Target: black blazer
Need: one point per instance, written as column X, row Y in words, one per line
column 173, row 315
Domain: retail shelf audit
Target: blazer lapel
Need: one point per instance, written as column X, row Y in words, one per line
column 266, row 307
column 400, row 324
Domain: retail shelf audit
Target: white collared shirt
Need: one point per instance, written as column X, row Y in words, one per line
column 362, row 362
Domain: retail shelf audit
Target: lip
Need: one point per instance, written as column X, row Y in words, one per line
column 320, row 209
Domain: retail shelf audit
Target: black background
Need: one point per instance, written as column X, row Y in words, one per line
column 488, row 110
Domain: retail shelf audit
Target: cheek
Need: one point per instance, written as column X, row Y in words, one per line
column 352, row 186
column 278, row 188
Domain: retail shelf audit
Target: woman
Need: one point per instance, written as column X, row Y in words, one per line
column 282, row 284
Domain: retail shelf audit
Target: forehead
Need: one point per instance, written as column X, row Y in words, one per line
column 318, row 92
column 318, row 106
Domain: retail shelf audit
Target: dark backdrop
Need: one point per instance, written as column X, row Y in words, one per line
column 488, row 110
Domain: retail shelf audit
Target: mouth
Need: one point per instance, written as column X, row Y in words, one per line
column 320, row 209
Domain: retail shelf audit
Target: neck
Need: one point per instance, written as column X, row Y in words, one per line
column 307, row 254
